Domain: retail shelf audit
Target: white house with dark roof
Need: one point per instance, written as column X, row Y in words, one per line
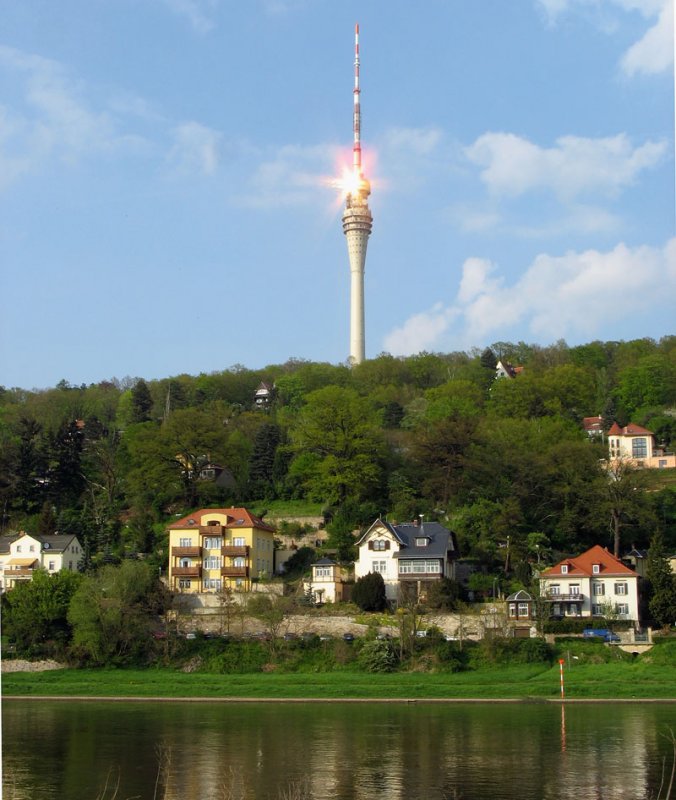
column 327, row 583
column 22, row 553
column 412, row 555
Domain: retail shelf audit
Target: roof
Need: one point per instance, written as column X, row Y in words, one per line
column 629, row 430
column 581, row 566
column 237, row 518
column 57, row 542
column 593, row 424
column 324, row 562
column 509, row 369
column 441, row 540
column 22, row 562
column 520, row 596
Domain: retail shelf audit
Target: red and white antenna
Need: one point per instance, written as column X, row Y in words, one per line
column 356, row 121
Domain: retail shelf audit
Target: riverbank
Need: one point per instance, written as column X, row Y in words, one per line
column 524, row 682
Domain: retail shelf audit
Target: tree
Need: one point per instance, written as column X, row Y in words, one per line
column 341, row 431
column 141, row 402
column 625, row 499
column 35, row 613
column 369, row 592
column 262, row 464
column 272, row 612
column 662, row 604
column 113, row 613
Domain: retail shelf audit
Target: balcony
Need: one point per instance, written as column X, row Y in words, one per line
column 23, row 572
column 187, row 572
column 212, row 530
column 563, row 598
column 186, row 552
column 235, row 552
column 420, row 576
column 235, row 572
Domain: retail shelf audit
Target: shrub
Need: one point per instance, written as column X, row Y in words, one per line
column 452, row 658
column 369, row 592
column 377, row 655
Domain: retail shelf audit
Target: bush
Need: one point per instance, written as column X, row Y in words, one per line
column 369, row 592
column 578, row 624
column 377, row 655
column 451, row 656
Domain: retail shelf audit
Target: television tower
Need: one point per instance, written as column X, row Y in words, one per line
column 357, row 224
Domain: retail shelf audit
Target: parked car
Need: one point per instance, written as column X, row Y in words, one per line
column 601, row 633
column 289, row 637
column 348, row 637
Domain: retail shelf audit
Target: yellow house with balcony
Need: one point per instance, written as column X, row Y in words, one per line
column 214, row 548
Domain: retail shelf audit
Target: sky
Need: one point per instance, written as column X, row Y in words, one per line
column 166, row 204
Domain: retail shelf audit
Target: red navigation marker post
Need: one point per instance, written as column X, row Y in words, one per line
column 561, row 662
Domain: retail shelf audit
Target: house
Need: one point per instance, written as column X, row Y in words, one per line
column 408, row 556
column 327, row 584
column 637, row 560
column 592, row 584
column 505, row 370
column 636, row 445
column 217, row 547
column 593, row 426
column 22, row 553
column 263, row 395
column 520, row 606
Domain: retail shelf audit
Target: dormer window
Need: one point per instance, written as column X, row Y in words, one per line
column 596, row 568
column 421, row 541
column 564, row 569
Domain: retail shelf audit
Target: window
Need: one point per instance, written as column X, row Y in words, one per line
column 419, row 566
column 596, row 569
column 597, row 610
column 621, row 588
column 212, row 584
column 598, row 589
column 639, row 448
column 380, row 544
column 322, row 572
column 379, row 566
column 184, row 583
column 622, row 609
column 523, row 609
column 555, row 589
column 18, row 548
column 212, row 562
column 512, row 609
column 240, row 561
column 564, row 569
column 421, row 541
column 238, row 541
column 52, row 566
column 574, row 589
column 31, row 548
column 213, row 542
column 185, row 542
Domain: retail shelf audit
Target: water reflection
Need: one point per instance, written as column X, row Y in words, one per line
column 361, row 752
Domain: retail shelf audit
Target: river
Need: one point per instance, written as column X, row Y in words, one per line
column 60, row 750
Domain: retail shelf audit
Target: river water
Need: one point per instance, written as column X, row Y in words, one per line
column 229, row 751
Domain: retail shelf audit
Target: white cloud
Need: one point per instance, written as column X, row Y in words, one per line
column 52, row 120
column 574, row 295
column 652, row 53
column 512, row 165
column 420, row 332
column 199, row 13
column 196, row 149
column 291, row 175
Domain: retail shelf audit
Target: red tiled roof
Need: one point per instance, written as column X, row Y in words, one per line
column 592, row 423
column 629, row 430
column 582, row 564
column 237, row 518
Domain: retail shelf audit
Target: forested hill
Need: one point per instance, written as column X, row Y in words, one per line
column 433, row 434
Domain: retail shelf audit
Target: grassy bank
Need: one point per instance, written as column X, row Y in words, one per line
column 597, row 681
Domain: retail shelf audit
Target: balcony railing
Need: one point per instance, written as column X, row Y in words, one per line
column 564, row 598
column 417, row 576
column 187, row 552
column 235, row 551
column 187, row 572
column 235, row 572
column 24, row 572
column 212, row 530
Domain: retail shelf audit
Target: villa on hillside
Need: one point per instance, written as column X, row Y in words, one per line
column 636, row 446
column 505, row 370
column 593, row 584
column 23, row 553
column 408, row 556
column 217, row 547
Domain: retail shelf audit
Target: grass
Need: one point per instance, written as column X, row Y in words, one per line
column 593, row 681
column 287, row 508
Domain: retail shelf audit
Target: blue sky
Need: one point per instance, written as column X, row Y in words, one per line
column 164, row 166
